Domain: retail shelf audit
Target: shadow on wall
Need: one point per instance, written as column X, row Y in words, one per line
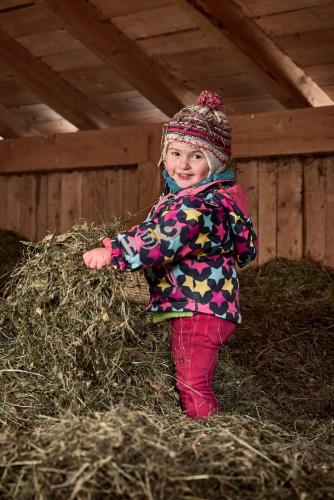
column 11, row 250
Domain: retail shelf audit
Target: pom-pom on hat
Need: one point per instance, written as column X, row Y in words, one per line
column 204, row 126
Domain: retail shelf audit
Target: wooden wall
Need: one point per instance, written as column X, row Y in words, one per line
column 287, row 167
column 46, row 184
column 291, row 201
column 292, row 206
column 32, row 204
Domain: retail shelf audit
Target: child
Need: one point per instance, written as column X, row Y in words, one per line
column 188, row 247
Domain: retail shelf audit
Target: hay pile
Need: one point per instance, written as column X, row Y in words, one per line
column 124, row 454
column 284, row 350
column 88, row 406
column 79, row 343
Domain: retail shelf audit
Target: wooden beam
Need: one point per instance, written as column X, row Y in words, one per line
column 284, row 79
column 12, row 125
column 283, row 133
column 121, row 53
column 39, row 78
column 116, row 146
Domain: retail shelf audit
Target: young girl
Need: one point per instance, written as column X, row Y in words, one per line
column 188, row 247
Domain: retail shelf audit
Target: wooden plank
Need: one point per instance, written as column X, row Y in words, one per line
column 121, row 53
column 322, row 73
column 299, row 21
column 283, row 133
column 289, row 210
column 194, row 65
column 34, row 113
column 154, row 152
column 330, row 91
column 70, row 200
column 14, row 95
column 246, row 105
column 96, row 81
column 247, row 176
column 87, row 192
column 51, row 42
column 267, row 218
column 149, row 188
column 130, row 194
column 72, row 60
column 309, row 48
column 144, row 24
column 116, row 146
column 4, row 77
column 121, row 8
column 27, row 21
column 329, row 254
column 283, row 78
column 27, row 207
column 174, row 43
column 231, row 86
column 265, row 7
column 54, row 127
column 41, row 206
column 54, row 202
column 154, row 143
column 232, row 54
column 314, row 209
column 13, row 203
column 43, row 119
column 3, row 202
column 147, row 116
column 264, row 134
column 100, row 195
column 12, row 125
column 8, row 5
column 115, row 192
column 32, row 73
column 128, row 101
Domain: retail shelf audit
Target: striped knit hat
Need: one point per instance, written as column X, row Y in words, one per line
column 203, row 126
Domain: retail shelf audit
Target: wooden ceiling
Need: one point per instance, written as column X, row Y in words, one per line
column 68, row 65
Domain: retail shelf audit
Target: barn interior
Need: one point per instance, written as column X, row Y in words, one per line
column 85, row 89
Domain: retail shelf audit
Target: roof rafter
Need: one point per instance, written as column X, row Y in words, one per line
column 287, row 82
column 39, row 78
column 14, row 126
column 121, row 53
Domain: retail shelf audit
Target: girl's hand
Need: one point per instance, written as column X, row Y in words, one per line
column 97, row 258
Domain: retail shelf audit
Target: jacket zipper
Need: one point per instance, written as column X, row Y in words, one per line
column 171, row 279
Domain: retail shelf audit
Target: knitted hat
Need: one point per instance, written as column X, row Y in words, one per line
column 203, row 126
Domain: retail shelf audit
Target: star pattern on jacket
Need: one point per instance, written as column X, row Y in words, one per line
column 188, row 247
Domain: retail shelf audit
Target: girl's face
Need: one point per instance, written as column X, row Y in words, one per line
column 186, row 164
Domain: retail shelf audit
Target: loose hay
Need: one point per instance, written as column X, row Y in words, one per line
column 123, row 454
column 285, row 347
column 88, row 407
column 77, row 342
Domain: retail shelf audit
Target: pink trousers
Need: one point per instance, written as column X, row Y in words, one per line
column 195, row 344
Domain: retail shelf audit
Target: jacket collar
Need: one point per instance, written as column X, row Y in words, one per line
column 188, row 191
column 198, row 189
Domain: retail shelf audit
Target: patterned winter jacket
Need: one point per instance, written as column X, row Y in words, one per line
column 188, row 247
